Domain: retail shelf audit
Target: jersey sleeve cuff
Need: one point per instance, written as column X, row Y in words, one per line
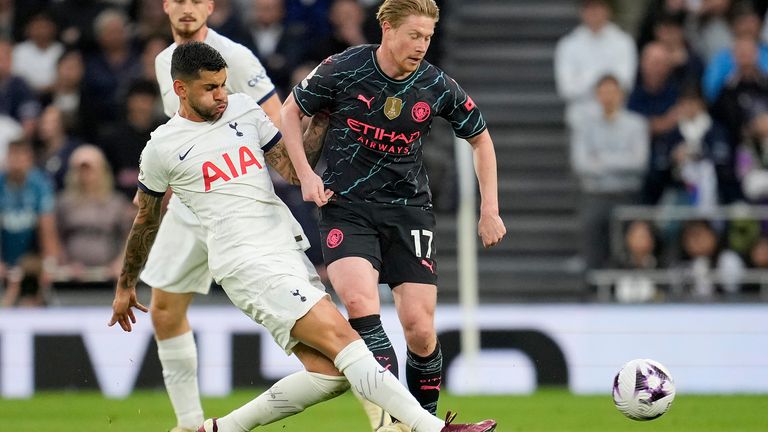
column 149, row 191
column 474, row 134
column 266, row 96
column 268, row 146
column 301, row 107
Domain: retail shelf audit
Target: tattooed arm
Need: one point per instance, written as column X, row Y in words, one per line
column 314, row 137
column 140, row 240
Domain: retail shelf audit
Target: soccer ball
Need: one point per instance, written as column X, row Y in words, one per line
column 643, row 389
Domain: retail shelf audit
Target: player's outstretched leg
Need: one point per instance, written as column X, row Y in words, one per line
column 289, row 396
column 371, row 330
column 324, row 328
column 303, row 389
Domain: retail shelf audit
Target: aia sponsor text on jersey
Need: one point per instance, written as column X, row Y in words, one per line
column 213, row 173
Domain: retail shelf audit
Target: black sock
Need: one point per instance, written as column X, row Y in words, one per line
column 370, row 329
column 424, row 376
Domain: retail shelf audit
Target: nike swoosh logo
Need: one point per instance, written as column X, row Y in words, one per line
column 183, row 156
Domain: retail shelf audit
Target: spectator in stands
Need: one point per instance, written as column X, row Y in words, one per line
column 28, row 240
column 92, row 217
column 108, row 71
column 696, row 160
column 10, row 130
column 745, row 94
column 226, row 20
column 686, row 64
column 746, row 24
column 6, row 19
column 13, row 15
column 655, row 96
column 754, row 161
column 642, row 250
column 346, row 18
column 279, row 47
column 151, row 21
column 66, row 94
column 17, row 100
column 35, row 58
column 609, row 153
column 371, row 25
column 152, row 47
column 741, row 234
column 708, row 28
column 656, row 12
column 54, row 145
column 123, row 141
column 595, row 48
column 703, row 256
column 75, row 19
column 656, row 92
column 704, row 155
column 757, row 260
column 309, row 14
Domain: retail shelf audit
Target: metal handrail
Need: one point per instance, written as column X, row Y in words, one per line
column 676, row 278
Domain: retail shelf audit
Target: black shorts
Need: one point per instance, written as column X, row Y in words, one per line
column 397, row 240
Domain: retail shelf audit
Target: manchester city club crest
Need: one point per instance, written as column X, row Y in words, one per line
column 392, row 107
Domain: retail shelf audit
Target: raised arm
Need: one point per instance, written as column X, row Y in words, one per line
column 278, row 157
column 490, row 227
column 290, row 118
column 312, row 188
column 140, row 240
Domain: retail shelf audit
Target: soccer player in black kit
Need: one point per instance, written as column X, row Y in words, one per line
column 377, row 223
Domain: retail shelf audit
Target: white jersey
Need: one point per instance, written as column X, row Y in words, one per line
column 245, row 74
column 218, row 171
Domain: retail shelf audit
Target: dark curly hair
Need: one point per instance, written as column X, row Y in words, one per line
column 190, row 58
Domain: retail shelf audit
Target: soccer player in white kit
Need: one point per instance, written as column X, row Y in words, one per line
column 213, row 155
column 177, row 267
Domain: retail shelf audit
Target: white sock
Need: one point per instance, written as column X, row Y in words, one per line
column 178, row 355
column 291, row 395
column 379, row 386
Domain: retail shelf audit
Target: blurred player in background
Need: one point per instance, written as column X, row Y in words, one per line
column 177, row 267
column 212, row 154
column 378, row 225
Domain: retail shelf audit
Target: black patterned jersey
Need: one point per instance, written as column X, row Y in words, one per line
column 373, row 148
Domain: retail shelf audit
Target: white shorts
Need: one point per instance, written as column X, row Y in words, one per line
column 275, row 291
column 178, row 261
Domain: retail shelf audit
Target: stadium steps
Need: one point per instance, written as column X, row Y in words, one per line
column 536, row 236
column 502, row 51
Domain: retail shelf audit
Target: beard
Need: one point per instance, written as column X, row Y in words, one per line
column 207, row 114
column 186, row 30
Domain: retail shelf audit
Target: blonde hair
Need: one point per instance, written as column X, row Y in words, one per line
column 396, row 11
column 88, row 153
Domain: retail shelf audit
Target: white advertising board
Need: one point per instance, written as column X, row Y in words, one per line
column 708, row 348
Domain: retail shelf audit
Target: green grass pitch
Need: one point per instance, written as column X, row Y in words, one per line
column 547, row 410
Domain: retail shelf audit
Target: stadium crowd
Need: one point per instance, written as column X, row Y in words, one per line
column 674, row 112
column 676, row 116
column 78, row 100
